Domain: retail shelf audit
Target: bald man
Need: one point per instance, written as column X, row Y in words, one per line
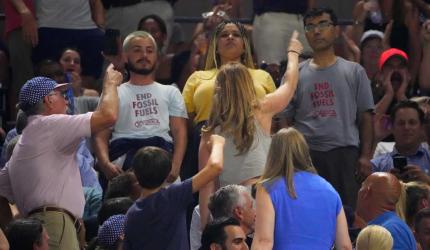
column 376, row 204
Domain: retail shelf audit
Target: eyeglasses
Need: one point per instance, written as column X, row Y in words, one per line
column 321, row 26
column 63, row 94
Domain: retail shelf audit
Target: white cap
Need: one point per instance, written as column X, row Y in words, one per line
column 371, row 34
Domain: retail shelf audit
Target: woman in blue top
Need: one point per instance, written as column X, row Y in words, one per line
column 296, row 208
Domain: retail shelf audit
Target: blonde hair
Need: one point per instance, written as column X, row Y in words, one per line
column 135, row 34
column 401, row 202
column 374, row 237
column 233, row 105
column 415, row 193
column 212, row 58
column 288, row 153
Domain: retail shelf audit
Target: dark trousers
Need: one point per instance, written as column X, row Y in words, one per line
column 338, row 167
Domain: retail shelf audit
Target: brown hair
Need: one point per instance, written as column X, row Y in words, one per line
column 233, row 106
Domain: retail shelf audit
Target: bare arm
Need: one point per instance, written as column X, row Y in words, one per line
column 424, row 73
column 422, row 6
column 359, row 14
column 103, row 118
column 178, row 127
column 275, row 102
column 29, row 24
column 107, row 112
column 4, row 245
column 101, row 148
column 208, row 189
column 366, row 140
column 415, row 49
column 385, row 79
column 98, row 13
column 214, row 166
column 342, row 237
column 264, row 221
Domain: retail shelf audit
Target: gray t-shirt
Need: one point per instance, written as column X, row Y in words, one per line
column 327, row 104
column 145, row 111
column 64, row 14
column 84, row 104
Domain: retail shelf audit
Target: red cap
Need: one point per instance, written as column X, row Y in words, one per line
column 390, row 53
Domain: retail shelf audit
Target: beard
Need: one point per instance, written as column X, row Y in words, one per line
column 143, row 71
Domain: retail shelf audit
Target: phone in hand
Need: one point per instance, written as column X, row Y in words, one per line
column 400, row 162
column 111, row 42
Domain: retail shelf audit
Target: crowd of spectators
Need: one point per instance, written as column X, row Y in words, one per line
column 294, row 132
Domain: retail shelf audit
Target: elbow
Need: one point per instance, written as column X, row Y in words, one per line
column 262, row 244
column 344, row 245
column 111, row 118
column 218, row 167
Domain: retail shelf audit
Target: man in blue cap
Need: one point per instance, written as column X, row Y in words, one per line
column 42, row 177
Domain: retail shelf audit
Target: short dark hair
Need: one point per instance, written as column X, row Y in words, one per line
column 120, row 186
column 407, row 104
column 421, row 215
column 316, row 12
column 157, row 19
column 151, row 166
column 23, row 233
column 214, row 232
column 114, row 206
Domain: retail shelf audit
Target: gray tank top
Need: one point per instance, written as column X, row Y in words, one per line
column 239, row 168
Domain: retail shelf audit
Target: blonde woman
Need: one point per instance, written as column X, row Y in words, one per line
column 296, row 208
column 229, row 43
column 245, row 121
column 414, row 196
column 374, row 237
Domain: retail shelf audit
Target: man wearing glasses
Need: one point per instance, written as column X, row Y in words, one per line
column 42, row 176
column 332, row 107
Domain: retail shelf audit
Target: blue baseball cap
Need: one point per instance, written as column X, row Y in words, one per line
column 111, row 230
column 36, row 88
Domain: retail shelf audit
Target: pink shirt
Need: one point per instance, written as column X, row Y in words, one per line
column 43, row 169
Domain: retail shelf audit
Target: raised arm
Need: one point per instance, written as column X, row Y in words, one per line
column 214, row 166
column 264, row 221
column 359, row 14
column 275, row 102
column 107, row 112
column 103, row 118
column 209, row 188
column 422, row 6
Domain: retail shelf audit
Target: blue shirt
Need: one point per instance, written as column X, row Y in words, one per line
column 308, row 222
column 402, row 235
column 85, row 161
column 158, row 221
column 384, row 163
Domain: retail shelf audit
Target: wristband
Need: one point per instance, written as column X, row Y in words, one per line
column 293, row 51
